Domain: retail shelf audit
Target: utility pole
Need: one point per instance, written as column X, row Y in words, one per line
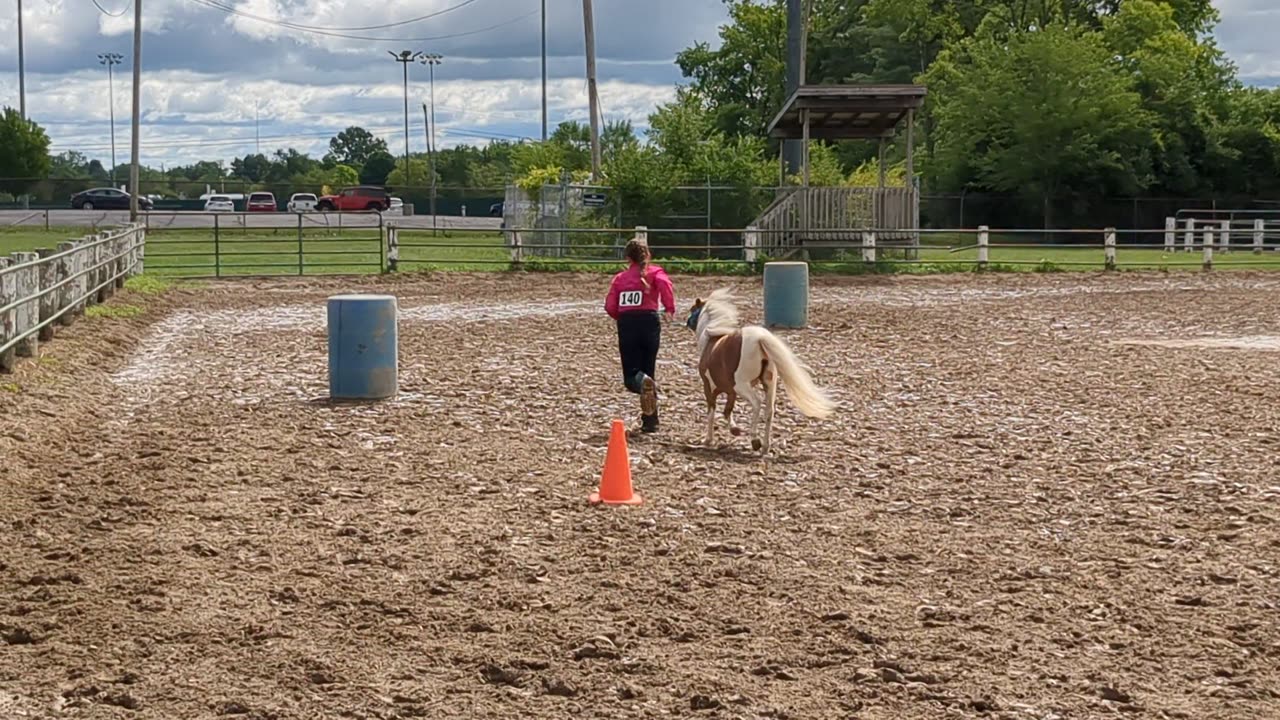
column 431, row 60
column 544, row 71
column 791, row 150
column 257, row 138
column 137, row 111
column 111, row 60
column 593, row 97
column 22, row 69
column 404, row 57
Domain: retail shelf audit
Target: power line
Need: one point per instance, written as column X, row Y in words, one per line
column 298, row 26
column 249, row 140
column 106, row 12
column 449, row 36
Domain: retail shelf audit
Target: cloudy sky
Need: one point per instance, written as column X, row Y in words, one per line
column 211, row 65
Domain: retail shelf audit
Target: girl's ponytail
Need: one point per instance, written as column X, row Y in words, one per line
column 637, row 251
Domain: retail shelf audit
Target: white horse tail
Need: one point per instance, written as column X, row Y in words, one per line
column 806, row 396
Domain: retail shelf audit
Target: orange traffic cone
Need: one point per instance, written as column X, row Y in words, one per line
column 615, row 484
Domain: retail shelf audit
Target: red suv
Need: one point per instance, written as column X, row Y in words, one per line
column 363, row 197
column 261, row 202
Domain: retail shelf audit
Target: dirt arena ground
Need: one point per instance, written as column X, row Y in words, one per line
column 1042, row 497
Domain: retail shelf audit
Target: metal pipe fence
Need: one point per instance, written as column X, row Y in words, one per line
column 45, row 288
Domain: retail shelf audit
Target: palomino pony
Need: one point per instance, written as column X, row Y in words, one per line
column 735, row 360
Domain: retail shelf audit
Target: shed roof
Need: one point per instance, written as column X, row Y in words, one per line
column 846, row 112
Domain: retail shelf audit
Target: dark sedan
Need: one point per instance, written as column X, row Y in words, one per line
column 106, row 199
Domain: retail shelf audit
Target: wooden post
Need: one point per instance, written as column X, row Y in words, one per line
column 984, row 242
column 83, row 255
column 1225, row 226
column 517, row 249
column 8, row 293
column 49, row 302
column 642, row 233
column 1109, row 248
column 1208, row 250
column 140, row 239
column 869, row 247
column 123, row 256
column 1189, row 238
column 393, row 246
column 26, row 316
column 67, row 293
column 1170, row 234
column 100, row 275
column 1259, row 234
column 751, row 244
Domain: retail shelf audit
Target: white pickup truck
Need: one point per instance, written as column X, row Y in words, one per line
column 302, row 202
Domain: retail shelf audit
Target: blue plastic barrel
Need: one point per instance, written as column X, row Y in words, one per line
column 363, row 362
column 786, row 294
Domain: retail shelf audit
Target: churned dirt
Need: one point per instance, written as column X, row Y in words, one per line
column 1019, row 511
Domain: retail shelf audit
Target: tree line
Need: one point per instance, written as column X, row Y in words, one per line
column 1037, row 99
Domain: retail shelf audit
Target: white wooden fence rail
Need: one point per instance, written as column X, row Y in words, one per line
column 43, row 289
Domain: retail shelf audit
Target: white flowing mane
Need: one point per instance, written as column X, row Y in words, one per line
column 719, row 314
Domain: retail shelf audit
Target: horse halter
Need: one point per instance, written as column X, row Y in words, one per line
column 692, row 322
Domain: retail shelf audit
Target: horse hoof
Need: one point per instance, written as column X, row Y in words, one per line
column 756, row 444
column 735, row 431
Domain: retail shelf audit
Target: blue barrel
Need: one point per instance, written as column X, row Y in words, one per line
column 786, row 294
column 363, row 362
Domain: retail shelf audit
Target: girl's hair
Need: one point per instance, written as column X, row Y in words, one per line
column 637, row 251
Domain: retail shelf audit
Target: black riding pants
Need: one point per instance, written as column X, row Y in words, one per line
column 639, row 334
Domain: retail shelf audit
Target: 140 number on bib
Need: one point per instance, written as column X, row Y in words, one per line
column 629, row 299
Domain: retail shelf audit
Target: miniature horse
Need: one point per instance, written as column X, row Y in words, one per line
column 735, row 360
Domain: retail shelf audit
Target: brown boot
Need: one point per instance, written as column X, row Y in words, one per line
column 648, row 397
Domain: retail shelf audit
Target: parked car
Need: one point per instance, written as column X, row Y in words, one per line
column 495, row 210
column 353, row 199
column 219, row 203
column 106, row 199
column 396, row 206
column 261, row 202
column 302, row 202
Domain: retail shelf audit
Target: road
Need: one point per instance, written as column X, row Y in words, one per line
column 196, row 220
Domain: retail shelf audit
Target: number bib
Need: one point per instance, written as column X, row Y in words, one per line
column 630, row 299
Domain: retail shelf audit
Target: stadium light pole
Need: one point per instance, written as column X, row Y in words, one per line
column 134, row 153
column 22, row 69
column 431, row 60
column 111, row 60
column 404, row 57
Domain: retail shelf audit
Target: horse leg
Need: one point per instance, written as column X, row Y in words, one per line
column 770, row 398
column 734, row 430
column 744, row 389
column 710, row 392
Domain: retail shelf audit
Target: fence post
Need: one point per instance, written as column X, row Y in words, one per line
column 393, row 247
column 984, row 245
column 1170, row 234
column 1189, row 238
column 49, row 302
column 8, row 294
column 517, row 249
column 67, row 293
column 1109, row 249
column 140, row 240
column 1225, row 225
column 300, row 247
column 750, row 244
column 99, row 262
column 217, row 248
column 869, row 247
column 1259, row 233
column 642, row 233
column 118, row 265
column 1208, row 250
column 26, row 284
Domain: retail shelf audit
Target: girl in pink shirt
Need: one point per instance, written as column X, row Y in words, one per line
column 633, row 301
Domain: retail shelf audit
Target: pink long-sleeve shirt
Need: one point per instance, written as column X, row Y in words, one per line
column 627, row 292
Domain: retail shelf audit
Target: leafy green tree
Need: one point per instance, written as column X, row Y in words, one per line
column 355, row 145
column 24, row 153
column 1046, row 111
column 377, row 168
